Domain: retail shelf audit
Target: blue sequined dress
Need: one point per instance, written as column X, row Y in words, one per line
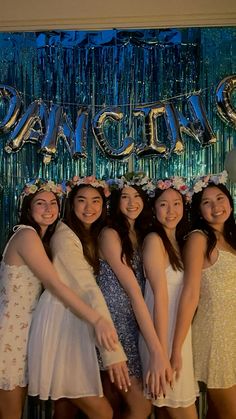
column 121, row 311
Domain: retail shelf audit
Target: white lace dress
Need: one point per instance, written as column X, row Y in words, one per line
column 19, row 294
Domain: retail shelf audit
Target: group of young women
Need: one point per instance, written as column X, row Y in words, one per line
column 96, row 309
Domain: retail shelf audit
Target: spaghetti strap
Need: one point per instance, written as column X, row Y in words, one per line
column 16, row 228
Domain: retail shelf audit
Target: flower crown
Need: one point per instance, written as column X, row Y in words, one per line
column 38, row 185
column 202, row 182
column 88, row 180
column 133, row 179
column 177, row 183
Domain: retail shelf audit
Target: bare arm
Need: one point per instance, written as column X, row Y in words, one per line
column 194, row 255
column 29, row 248
column 154, row 259
column 110, row 248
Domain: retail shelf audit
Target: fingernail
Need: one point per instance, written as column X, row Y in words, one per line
column 126, row 390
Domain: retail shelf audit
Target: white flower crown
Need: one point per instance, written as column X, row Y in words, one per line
column 177, row 183
column 133, row 179
column 88, row 180
column 38, row 185
column 202, row 182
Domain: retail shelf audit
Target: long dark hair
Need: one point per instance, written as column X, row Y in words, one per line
column 88, row 238
column 182, row 229
column 27, row 219
column 198, row 222
column 119, row 222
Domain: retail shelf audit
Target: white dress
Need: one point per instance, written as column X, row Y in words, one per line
column 214, row 324
column 62, row 347
column 185, row 388
column 19, row 294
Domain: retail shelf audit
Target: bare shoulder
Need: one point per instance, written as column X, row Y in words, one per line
column 153, row 240
column 25, row 234
column 197, row 237
column 108, row 233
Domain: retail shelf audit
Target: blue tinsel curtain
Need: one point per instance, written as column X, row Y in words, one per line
column 108, row 68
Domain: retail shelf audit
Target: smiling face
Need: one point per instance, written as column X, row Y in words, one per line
column 44, row 209
column 131, row 203
column 88, row 205
column 169, row 209
column 215, row 207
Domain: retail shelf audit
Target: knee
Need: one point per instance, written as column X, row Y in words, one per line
column 140, row 410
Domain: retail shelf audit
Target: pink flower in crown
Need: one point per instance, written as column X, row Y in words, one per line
column 168, row 184
column 75, row 180
column 206, row 178
column 89, row 180
column 161, row 185
column 183, row 188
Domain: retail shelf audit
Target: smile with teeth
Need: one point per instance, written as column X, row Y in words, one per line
column 216, row 214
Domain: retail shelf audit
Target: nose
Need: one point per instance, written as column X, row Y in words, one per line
column 47, row 207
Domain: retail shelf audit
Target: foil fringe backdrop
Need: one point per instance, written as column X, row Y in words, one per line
column 113, row 67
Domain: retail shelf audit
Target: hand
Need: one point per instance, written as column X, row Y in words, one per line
column 176, row 362
column 106, row 334
column 159, row 375
column 119, row 375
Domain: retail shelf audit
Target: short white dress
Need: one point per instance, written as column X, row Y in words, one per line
column 19, row 294
column 185, row 388
column 62, row 347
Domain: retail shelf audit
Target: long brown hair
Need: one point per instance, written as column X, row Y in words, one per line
column 182, row 229
column 119, row 222
column 88, row 238
column 198, row 222
column 27, row 219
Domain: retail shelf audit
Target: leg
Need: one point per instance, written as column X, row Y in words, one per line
column 112, row 394
column 224, row 402
column 94, row 407
column 12, row 403
column 136, row 406
column 64, row 409
column 161, row 413
column 211, row 412
column 189, row 412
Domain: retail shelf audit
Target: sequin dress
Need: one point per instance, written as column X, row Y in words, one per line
column 121, row 311
column 19, row 294
column 214, row 325
column 185, row 388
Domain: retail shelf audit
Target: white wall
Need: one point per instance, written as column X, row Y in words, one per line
column 107, row 14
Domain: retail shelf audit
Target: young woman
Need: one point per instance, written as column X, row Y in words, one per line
column 62, row 347
column 210, row 286
column 164, row 272
column 122, row 283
